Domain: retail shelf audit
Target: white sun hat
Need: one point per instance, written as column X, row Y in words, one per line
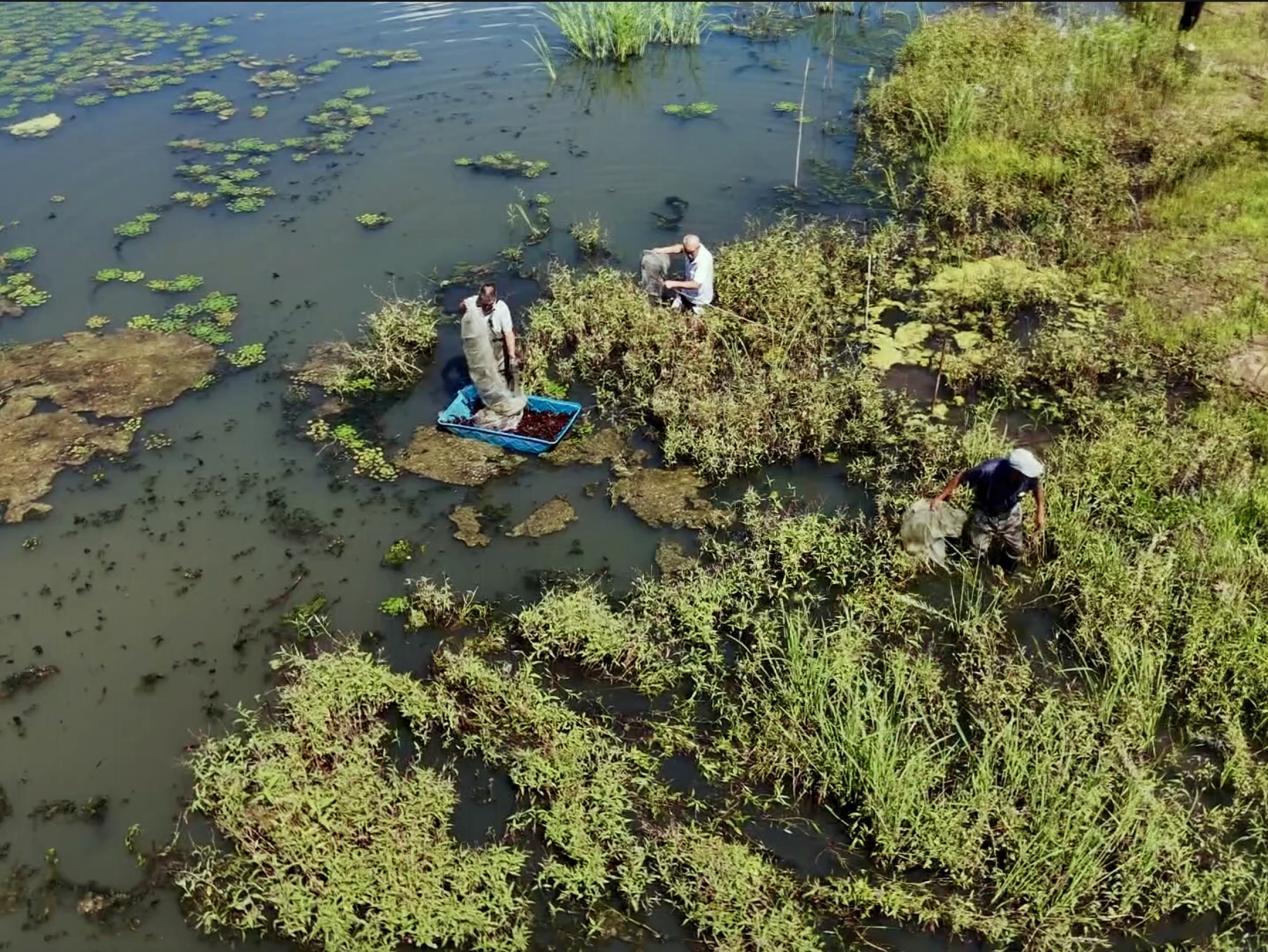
column 1025, row 462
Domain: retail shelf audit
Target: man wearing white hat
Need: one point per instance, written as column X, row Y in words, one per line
column 998, row 485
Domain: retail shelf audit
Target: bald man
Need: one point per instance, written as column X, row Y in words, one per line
column 697, row 290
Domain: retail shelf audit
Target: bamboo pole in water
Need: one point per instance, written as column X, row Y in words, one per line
column 801, row 113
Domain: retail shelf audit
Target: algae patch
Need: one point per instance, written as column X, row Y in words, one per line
column 590, row 450
column 108, row 375
column 550, row 518
column 668, row 497
column 467, row 529
column 452, row 459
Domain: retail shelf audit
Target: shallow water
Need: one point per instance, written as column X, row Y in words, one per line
column 172, row 565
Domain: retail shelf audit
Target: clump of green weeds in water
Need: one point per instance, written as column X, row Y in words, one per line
column 508, row 163
column 323, row 67
column 205, row 100
column 259, row 112
column 762, row 378
column 616, row 32
column 386, row 869
column 692, row 110
column 106, row 275
column 395, row 342
column 436, row 605
column 245, row 204
column 180, row 284
column 398, row 553
column 14, row 256
column 382, row 59
column 368, row 460
column 373, row 220
column 138, row 226
column 591, row 237
column 248, row 355
column 194, row 199
column 394, row 605
column 96, row 322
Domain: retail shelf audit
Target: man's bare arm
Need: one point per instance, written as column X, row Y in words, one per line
column 948, row 489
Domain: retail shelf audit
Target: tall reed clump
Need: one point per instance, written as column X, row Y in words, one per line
column 1006, row 122
column 395, row 343
column 616, row 32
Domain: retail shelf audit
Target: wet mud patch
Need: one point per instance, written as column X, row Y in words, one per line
column 329, row 363
column 668, row 498
column 467, row 528
column 553, row 517
column 451, row 459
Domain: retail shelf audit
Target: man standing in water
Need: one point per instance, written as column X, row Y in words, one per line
column 488, row 343
column 697, row 290
column 998, row 485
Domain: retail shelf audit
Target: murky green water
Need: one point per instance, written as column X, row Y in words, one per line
column 173, row 566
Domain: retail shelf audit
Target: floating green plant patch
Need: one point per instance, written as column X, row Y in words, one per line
column 19, row 291
column 194, row 199
column 90, row 99
column 693, row 110
column 508, row 163
column 275, row 82
column 19, row 255
column 135, row 227
column 36, row 128
column 367, row 459
column 245, row 203
column 177, row 285
column 248, row 355
column 206, row 101
column 373, row 220
column 323, row 67
column 383, row 59
column 96, row 322
column 344, row 113
column 785, row 105
column 398, row 553
column 118, row 274
column 259, row 112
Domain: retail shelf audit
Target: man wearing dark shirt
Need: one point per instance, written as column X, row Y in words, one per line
column 998, row 485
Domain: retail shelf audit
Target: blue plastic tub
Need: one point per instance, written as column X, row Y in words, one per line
column 463, row 408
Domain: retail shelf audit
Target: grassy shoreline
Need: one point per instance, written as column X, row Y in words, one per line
column 1098, row 184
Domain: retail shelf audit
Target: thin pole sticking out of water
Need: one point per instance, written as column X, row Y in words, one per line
column 801, row 114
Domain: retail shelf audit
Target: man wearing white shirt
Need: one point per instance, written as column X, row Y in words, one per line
column 697, row 290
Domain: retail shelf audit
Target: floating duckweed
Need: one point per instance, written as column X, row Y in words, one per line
column 373, row 220
column 135, row 227
column 90, row 99
column 177, row 285
column 694, row 110
column 259, row 112
column 206, row 101
column 357, row 92
column 118, row 274
column 508, row 163
column 248, row 355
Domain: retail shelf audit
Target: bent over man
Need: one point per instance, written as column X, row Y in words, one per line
column 998, row 485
